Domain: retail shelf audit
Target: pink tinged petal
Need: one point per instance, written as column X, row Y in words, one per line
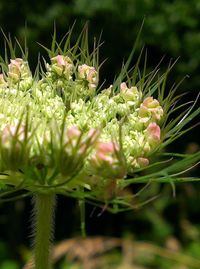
column 82, row 70
column 153, row 131
column 92, row 76
column 147, row 101
column 129, row 94
column 88, row 73
column 60, row 60
column 105, row 158
column 18, row 62
column 150, row 102
column 73, row 132
column 123, row 86
column 109, row 147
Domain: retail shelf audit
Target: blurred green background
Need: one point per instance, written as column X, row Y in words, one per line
column 172, row 30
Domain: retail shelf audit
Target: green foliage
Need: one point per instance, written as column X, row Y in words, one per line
column 171, row 27
column 9, row 265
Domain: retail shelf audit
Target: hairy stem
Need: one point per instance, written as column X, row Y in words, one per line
column 43, row 209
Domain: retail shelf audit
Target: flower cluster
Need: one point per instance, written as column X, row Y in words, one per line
column 69, row 82
column 73, row 130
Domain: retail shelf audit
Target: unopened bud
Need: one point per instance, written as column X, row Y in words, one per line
column 89, row 74
column 140, row 162
column 106, row 162
column 18, row 69
column 129, row 94
column 73, row 132
column 153, row 134
column 62, row 66
column 150, row 108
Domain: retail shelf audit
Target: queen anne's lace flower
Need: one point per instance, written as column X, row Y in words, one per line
column 72, row 128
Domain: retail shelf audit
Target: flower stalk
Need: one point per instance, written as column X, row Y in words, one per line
column 44, row 205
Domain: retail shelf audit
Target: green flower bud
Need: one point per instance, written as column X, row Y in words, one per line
column 140, row 162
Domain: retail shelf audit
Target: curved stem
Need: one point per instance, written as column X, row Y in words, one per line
column 43, row 209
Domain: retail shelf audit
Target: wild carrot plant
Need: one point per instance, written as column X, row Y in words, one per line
column 62, row 133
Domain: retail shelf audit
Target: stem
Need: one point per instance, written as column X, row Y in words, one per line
column 82, row 217
column 43, row 208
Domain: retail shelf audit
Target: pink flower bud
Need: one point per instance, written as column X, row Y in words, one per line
column 105, row 153
column 12, row 138
column 18, row 69
column 129, row 94
column 73, row 133
column 150, row 108
column 153, row 132
column 15, row 69
column 123, row 87
column 88, row 73
column 60, row 60
column 149, row 102
column 16, row 62
column 62, row 65
column 101, row 157
column 107, row 148
column 106, row 161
